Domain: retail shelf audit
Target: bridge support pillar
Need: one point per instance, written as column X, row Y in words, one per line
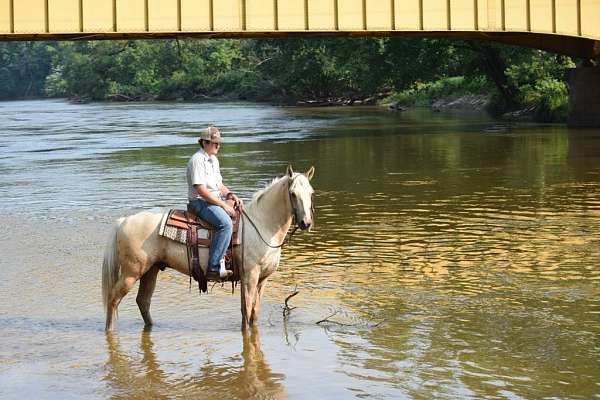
column 584, row 97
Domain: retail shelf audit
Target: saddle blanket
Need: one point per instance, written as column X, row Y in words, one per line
column 175, row 223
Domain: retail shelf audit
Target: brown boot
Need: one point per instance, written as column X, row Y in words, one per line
column 222, row 274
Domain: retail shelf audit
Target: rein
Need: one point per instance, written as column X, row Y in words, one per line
column 286, row 239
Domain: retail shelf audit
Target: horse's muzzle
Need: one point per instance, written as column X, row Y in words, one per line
column 304, row 226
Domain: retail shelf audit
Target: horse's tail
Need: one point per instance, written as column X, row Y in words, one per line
column 111, row 267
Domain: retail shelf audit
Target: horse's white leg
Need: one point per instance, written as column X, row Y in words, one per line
column 257, row 300
column 249, row 291
column 122, row 287
column 145, row 291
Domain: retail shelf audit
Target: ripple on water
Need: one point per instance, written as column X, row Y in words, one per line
column 458, row 264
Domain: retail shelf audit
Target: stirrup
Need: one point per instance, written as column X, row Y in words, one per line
column 218, row 275
column 222, row 274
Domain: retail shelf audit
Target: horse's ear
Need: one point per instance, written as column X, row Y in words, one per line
column 309, row 174
column 290, row 171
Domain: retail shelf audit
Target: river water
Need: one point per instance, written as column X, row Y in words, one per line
column 455, row 256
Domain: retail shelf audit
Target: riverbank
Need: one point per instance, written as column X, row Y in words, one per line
column 465, row 103
column 546, row 102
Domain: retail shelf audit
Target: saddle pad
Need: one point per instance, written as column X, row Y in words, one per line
column 174, row 226
column 178, row 232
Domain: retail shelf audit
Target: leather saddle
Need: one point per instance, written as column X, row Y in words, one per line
column 199, row 233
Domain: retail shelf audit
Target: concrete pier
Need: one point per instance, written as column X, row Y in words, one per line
column 584, row 97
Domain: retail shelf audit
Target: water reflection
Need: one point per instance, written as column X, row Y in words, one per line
column 476, row 243
column 141, row 375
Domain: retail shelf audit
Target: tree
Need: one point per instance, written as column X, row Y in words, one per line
column 23, row 68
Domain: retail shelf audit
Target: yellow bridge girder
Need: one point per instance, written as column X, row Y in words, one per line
column 570, row 27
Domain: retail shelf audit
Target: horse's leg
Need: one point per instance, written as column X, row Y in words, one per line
column 144, row 296
column 257, row 300
column 248, row 292
column 122, row 287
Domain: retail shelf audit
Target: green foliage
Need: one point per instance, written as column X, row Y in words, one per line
column 320, row 68
column 23, row 68
column 55, row 84
column 413, row 60
column 540, row 82
column 421, row 70
column 425, row 93
column 141, row 69
column 550, row 99
column 84, row 68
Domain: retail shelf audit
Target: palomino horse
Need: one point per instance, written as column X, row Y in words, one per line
column 136, row 252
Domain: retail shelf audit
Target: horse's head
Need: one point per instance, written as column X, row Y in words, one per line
column 301, row 193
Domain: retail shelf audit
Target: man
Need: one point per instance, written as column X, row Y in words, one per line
column 207, row 195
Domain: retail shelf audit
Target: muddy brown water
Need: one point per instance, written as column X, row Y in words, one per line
column 456, row 257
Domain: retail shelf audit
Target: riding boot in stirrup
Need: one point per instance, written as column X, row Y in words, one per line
column 221, row 274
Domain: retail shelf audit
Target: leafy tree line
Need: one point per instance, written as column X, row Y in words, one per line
column 23, row 69
column 286, row 70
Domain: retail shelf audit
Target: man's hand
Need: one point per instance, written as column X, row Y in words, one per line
column 228, row 209
column 239, row 203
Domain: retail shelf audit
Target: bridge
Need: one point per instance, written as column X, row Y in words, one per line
column 570, row 27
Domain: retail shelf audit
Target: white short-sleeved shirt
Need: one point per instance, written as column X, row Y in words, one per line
column 203, row 169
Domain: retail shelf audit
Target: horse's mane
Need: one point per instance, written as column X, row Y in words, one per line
column 261, row 192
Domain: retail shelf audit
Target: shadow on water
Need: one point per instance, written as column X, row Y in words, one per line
column 144, row 375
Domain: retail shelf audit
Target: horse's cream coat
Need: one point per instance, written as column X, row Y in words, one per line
column 135, row 250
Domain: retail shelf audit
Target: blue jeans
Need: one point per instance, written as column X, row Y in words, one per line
column 223, row 229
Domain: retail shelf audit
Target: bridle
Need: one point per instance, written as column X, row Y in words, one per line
column 295, row 222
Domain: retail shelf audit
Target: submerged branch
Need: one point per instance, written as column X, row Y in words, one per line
column 333, row 322
column 330, row 321
column 287, row 309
